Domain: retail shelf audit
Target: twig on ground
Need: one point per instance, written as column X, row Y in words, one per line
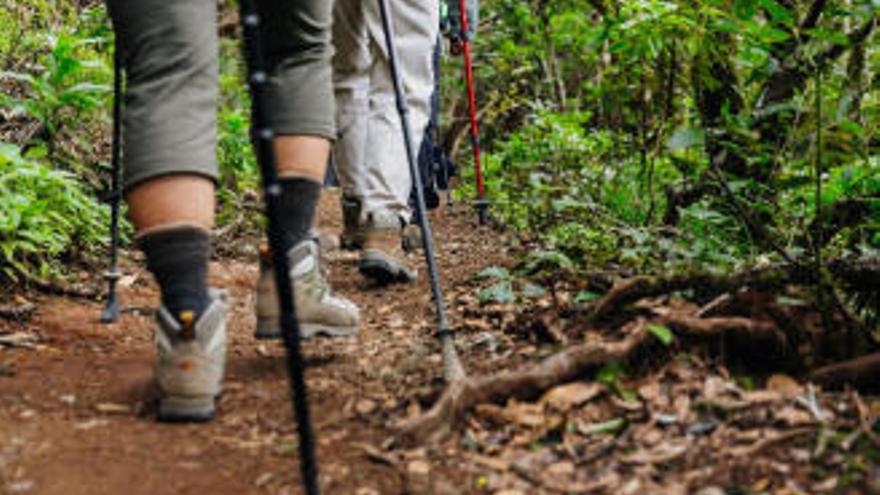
column 866, row 420
column 771, row 441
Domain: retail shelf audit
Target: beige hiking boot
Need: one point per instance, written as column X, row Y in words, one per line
column 382, row 258
column 190, row 358
column 320, row 312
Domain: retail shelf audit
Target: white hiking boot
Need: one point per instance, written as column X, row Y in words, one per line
column 320, row 312
column 190, row 358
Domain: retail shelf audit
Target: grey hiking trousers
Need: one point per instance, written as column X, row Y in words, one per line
column 170, row 54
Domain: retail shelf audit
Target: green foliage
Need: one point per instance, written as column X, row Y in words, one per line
column 44, row 213
column 506, row 287
column 56, row 82
column 597, row 113
column 663, row 333
column 66, row 91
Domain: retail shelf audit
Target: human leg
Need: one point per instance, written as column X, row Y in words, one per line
column 297, row 41
column 388, row 182
column 169, row 53
column 351, row 83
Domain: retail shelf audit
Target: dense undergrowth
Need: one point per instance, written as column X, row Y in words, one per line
column 679, row 135
column 646, row 136
column 56, row 74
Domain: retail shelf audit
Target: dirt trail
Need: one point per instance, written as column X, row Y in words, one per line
column 75, row 413
column 673, row 419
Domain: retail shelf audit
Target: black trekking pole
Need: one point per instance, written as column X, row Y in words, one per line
column 111, row 308
column 452, row 368
column 262, row 136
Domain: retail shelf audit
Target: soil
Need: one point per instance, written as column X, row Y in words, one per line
column 76, row 412
column 77, row 401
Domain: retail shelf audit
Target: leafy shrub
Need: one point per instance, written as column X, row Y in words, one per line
column 45, row 213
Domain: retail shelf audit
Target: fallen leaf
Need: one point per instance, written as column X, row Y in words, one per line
column 663, row 453
column 560, row 469
column 785, row 385
column 365, row 407
column 565, row 397
column 112, row 408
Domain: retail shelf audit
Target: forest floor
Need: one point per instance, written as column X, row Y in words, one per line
column 76, row 401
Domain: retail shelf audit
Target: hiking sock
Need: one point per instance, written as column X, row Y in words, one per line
column 178, row 258
column 299, row 198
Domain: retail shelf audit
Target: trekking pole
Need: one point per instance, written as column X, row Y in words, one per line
column 262, row 136
column 452, row 368
column 482, row 204
column 111, row 308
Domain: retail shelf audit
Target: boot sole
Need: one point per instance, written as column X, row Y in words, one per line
column 270, row 329
column 186, row 410
column 383, row 271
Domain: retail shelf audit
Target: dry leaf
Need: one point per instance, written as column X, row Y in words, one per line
column 112, row 408
column 565, row 397
column 785, row 385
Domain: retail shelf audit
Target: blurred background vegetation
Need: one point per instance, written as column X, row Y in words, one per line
column 642, row 136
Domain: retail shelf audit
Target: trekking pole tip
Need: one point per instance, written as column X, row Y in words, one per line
column 111, row 310
column 482, row 206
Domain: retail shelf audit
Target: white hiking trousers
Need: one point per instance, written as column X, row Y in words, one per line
column 370, row 154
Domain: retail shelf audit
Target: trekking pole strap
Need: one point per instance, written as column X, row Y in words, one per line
column 262, row 136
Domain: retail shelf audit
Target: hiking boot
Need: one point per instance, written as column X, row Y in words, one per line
column 352, row 237
column 320, row 312
column 190, row 357
column 382, row 258
column 412, row 238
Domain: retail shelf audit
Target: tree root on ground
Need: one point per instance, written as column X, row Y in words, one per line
column 859, row 370
column 567, row 365
column 462, row 395
column 859, row 273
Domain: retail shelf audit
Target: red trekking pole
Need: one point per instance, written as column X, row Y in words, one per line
column 482, row 204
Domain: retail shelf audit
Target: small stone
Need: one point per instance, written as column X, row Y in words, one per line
column 68, row 399
column 711, row 490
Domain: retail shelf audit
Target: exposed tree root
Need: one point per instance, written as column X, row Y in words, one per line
column 860, row 273
column 462, row 395
column 691, row 325
column 859, row 370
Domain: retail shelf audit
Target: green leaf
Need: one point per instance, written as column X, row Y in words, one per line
column 612, row 426
column 493, row 273
column 501, row 293
column 610, row 373
column 664, row 334
column 533, row 290
column 585, row 296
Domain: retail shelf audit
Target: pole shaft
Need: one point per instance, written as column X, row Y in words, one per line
column 263, row 142
column 452, row 366
column 472, row 107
